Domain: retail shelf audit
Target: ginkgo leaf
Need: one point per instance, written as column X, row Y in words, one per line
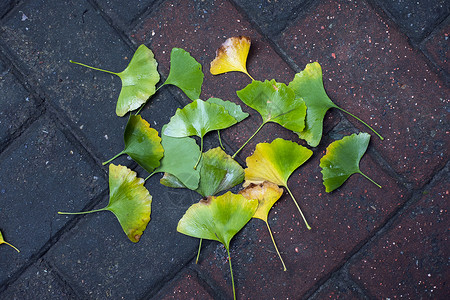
column 232, row 56
column 275, row 162
column 267, row 193
column 185, row 73
column 142, row 144
column 180, row 156
column 232, row 108
column 218, row 172
column 2, row 241
column 308, row 84
column 139, row 80
column 276, row 103
column 129, row 201
column 219, row 219
column 198, row 118
column 342, row 160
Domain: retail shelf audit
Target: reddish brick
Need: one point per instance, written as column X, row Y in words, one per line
column 341, row 221
column 336, row 289
column 437, row 47
column 372, row 71
column 410, row 260
column 175, row 26
column 186, row 286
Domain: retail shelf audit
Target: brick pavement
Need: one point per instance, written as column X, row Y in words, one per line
column 386, row 61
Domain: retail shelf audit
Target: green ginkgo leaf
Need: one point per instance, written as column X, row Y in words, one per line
column 218, row 172
column 139, row 80
column 232, row 108
column 2, row 241
column 180, row 157
column 342, row 160
column 308, row 84
column 129, row 201
column 219, row 219
column 267, row 193
column 276, row 103
column 185, row 73
column 198, row 118
column 275, row 162
column 142, row 144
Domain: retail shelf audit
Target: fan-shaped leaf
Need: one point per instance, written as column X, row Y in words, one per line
column 180, row 156
column 233, row 109
column 2, row 241
column 232, row 56
column 342, row 160
column 139, row 80
column 142, row 143
column 129, row 201
column 308, row 85
column 276, row 103
column 267, row 193
column 185, row 73
column 275, row 162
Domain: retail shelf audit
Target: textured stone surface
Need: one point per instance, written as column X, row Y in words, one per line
column 37, row 282
column 186, row 286
column 97, row 258
column 416, row 18
column 411, row 259
column 5, row 6
column 370, row 70
column 272, row 16
column 73, row 30
column 340, row 222
column 16, row 104
column 437, row 47
column 337, row 288
column 125, row 12
column 46, row 174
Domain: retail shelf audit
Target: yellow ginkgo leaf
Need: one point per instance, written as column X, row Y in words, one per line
column 2, row 241
column 232, row 56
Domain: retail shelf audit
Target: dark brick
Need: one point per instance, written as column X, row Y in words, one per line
column 99, row 261
column 85, row 96
column 125, row 12
column 37, row 282
column 416, row 18
column 337, row 288
column 371, row 71
column 186, row 286
column 410, row 260
column 437, row 47
column 46, row 174
column 272, row 16
column 5, row 6
column 13, row 99
column 341, row 221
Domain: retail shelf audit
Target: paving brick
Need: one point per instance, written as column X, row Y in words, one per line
column 46, row 174
column 272, row 16
column 416, row 18
column 410, row 260
column 99, row 261
column 72, row 30
column 37, row 282
column 186, row 286
column 5, row 6
column 340, row 221
column 125, row 11
column 337, row 289
column 200, row 28
column 371, row 71
column 13, row 99
column 437, row 46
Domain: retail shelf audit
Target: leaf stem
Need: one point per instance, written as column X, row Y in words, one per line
column 5, row 242
column 198, row 253
column 220, row 140
column 379, row 135
column 371, row 180
column 231, row 270
column 250, row 76
column 295, row 201
column 113, row 158
column 257, row 130
column 94, row 68
column 275, row 245
column 81, row 212
column 153, row 173
column 201, row 152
